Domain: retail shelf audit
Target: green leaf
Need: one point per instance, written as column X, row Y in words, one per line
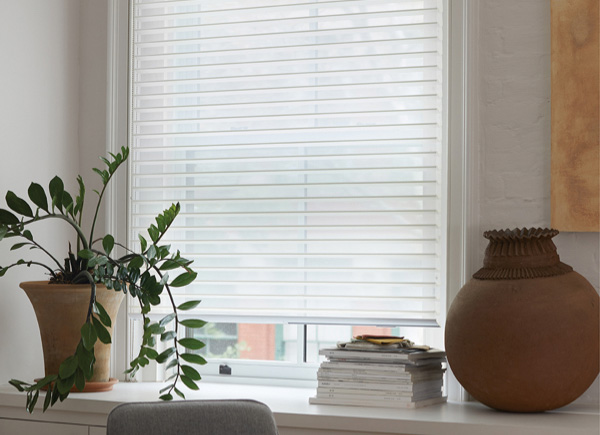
column 79, row 200
column 164, row 279
column 193, row 358
column 7, row 218
column 65, row 385
column 67, row 200
column 103, row 174
column 143, row 243
column 191, row 343
column 136, row 262
column 151, row 251
column 108, row 242
column 56, row 191
column 17, row 384
column 162, row 390
column 166, row 397
column 45, row 381
column 179, row 393
column 192, row 323
column 86, row 253
column 169, row 335
column 38, row 196
column 150, row 353
column 103, row 334
column 189, row 382
column 191, row 372
column 173, row 376
column 47, row 400
column 154, row 299
column 18, row 245
column 154, row 329
column 188, row 305
column 79, row 380
column 98, row 260
column 184, row 279
column 102, row 314
column 18, row 205
column 153, row 233
column 165, row 355
column 55, row 394
column 167, row 319
column 88, row 336
column 169, row 265
column 68, row 367
column 31, row 403
column 160, row 221
column 86, row 360
column 172, row 363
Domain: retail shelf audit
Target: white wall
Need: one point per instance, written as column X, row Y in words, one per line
column 92, row 97
column 39, row 116
column 53, row 122
column 514, row 71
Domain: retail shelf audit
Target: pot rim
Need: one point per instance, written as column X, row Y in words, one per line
column 521, row 233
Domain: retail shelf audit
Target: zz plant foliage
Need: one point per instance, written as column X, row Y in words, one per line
column 144, row 275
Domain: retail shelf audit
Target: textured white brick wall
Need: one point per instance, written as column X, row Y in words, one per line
column 514, row 62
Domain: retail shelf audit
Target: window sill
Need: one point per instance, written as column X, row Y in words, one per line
column 294, row 415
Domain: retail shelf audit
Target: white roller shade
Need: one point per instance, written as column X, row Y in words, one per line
column 303, row 140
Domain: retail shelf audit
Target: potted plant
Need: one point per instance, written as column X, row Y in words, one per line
column 95, row 269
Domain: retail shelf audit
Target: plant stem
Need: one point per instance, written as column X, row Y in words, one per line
column 29, row 263
column 47, row 253
column 176, row 329
column 98, row 206
column 70, row 221
column 92, row 294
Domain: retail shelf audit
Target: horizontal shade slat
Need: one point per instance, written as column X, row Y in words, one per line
column 346, row 192
column 211, row 5
column 201, row 9
column 293, row 68
column 401, row 116
column 281, row 110
column 286, row 152
column 280, row 123
column 323, row 218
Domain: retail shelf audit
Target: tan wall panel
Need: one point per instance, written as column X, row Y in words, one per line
column 575, row 201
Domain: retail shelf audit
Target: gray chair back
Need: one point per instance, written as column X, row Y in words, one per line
column 201, row 417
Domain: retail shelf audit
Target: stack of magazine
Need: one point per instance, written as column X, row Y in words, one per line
column 392, row 378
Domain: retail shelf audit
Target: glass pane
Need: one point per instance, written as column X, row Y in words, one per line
column 251, row 341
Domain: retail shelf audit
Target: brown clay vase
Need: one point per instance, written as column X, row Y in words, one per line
column 523, row 334
column 61, row 311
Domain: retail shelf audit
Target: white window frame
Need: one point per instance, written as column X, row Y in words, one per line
column 460, row 203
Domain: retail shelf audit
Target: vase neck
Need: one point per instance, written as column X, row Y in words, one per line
column 521, row 254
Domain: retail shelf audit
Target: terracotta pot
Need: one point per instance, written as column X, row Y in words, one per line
column 61, row 310
column 523, row 334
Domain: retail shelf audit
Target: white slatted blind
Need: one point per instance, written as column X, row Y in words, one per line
column 303, row 140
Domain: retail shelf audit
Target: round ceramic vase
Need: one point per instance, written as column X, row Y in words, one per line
column 61, row 310
column 523, row 334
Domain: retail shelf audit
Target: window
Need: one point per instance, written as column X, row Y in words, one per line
column 305, row 141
